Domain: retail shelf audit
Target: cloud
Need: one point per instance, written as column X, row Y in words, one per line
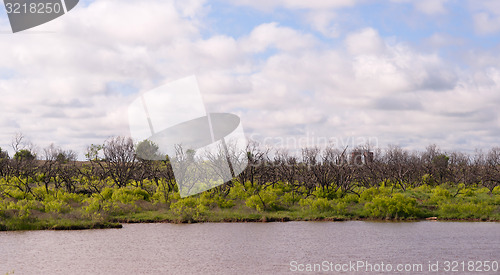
column 296, row 4
column 271, row 35
column 59, row 91
column 398, row 103
column 486, row 16
column 486, row 23
column 378, row 65
column 390, row 91
column 428, row 7
column 72, row 86
column 439, row 40
column 323, row 22
column 365, row 42
column 431, row 7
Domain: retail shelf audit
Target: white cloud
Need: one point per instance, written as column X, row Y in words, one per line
column 59, row 92
column 323, row 22
column 486, row 23
column 365, row 42
column 296, row 4
column 271, row 35
column 429, row 7
column 438, row 40
column 486, row 16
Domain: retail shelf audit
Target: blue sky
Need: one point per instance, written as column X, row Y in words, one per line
column 405, row 72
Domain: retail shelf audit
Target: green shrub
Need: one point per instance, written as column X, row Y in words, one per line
column 25, row 207
column 350, row 198
column 24, row 155
column 238, row 192
column 70, row 197
column 321, row 205
column 330, row 194
column 428, row 179
column 129, row 195
column 107, row 193
column 265, row 200
column 370, row 193
column 95, row 208
column 496, row 190
column 439, row 195
column 397, row 206
column 465, row 210
column 56, row 206
column 188, row 209
column 422, row 188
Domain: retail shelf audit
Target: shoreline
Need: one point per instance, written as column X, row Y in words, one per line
column 271, row 220
column 117, row 223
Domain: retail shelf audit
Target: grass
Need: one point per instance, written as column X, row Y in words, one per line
column 35, row 224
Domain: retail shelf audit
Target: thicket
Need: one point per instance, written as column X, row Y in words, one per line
column 114, row 185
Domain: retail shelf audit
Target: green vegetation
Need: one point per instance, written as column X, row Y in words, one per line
column 42, row 209
column 116, row 185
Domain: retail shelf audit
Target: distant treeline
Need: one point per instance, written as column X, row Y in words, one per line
column 116, row 162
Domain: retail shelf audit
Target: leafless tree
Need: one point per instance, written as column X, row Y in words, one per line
column 120, row 158
column 492, row 169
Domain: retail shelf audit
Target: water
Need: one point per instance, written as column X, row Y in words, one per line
column 252, row 248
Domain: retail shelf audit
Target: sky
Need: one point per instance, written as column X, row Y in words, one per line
column 298, row 73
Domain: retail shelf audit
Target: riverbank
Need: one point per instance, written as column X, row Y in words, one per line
column 60, row 210
column 118, row 222
column 17, row 225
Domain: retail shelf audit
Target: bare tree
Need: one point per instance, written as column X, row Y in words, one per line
column 17, row 142
column 492, row 169
column 120, row 157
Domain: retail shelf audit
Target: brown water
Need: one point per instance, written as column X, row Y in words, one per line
column 251, row 248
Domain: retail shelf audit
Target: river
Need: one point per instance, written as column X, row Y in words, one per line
column 353, row 247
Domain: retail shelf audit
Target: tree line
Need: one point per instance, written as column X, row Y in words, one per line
column 116, row 163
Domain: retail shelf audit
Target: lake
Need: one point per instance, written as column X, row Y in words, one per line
column 352, row 247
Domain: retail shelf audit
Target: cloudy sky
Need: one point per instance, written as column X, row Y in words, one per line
column 403, row 72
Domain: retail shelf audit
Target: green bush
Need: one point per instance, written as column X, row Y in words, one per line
column 350, row 198
column 465, row 210
column 323, row 205
column 56, row 206
column 439, row 195
column 188, row 209
column 24, row 155
column 496, row 190
column 369, row 194
column 397, row 206
column 24, row 207
column 238, row 192
column 265, row 200
column 330, row 194
column 129, row 195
